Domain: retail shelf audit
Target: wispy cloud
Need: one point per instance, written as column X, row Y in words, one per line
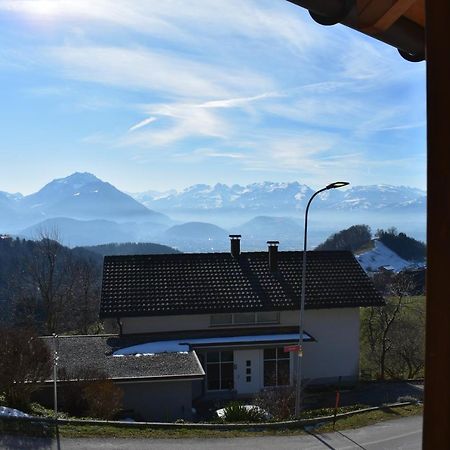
column 155, row 72
column 255, row 84
column 196, row 22
column 176, row 123
column 237, row 102
column 142, row 123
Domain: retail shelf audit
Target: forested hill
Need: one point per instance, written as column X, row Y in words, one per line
column 359, row 238
column 130, row 248
column 47, row 286
column 352, row 239
column 52, row 288
column 406, row 247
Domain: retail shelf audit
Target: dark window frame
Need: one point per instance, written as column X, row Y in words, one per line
column 222, row 364
column 279, row 359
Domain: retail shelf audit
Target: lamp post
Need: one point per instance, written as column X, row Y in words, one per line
column 55, row 375
column 336, row 185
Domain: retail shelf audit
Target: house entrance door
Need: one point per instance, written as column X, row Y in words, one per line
column 247, row 371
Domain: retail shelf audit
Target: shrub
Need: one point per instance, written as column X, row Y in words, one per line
column 103, row 398
column 71, row 391
column 25, row 361
column 88, row 392
column 237, row 412
column 278, row 401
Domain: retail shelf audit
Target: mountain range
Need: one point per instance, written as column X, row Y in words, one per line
column 270, row 196
column 85, row 210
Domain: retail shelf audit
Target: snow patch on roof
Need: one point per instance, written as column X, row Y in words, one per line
column 183, row 345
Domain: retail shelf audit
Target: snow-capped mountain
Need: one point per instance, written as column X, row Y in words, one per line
column 269, row 196
column 379, row 197
column 255, row 196
column 78, row 196
column 84, row 196
column 258, row 211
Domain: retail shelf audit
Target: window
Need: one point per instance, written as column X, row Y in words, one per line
column 268, row 317
column 219, row 370
column 221, row 319
column 244, row 318
column 276, row 367
column 251, row 318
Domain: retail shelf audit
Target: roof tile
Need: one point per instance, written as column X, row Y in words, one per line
column 216, row 282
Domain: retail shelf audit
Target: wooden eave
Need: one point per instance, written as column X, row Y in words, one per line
column 400, row 23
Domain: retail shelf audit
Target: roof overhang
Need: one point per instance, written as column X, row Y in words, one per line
column 184, row 345
column 399, row 23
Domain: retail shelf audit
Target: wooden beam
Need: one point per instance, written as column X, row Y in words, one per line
column 437, row 369
column 391, row 14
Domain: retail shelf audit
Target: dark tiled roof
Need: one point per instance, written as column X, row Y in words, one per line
column 216, row 282
column 80, row 353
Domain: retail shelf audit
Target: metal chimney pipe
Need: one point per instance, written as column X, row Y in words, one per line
column 235, row 245
column 273, row 255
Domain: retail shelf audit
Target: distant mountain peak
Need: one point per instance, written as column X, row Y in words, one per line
column 80, row 178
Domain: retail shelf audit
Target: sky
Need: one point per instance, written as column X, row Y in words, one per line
column 156, row 95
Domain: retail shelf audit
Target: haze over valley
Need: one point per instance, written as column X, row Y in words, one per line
column 83, row 210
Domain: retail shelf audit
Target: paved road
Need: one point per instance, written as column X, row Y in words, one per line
column 397, row 434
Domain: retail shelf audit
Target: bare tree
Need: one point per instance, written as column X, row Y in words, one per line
column 381, row 325
column 87, row 278
column 407, row 355
column 65, row 286
column 49, row 270
column 25, row 361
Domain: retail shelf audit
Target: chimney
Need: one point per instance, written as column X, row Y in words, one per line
column 273, row 255
column 235, row 244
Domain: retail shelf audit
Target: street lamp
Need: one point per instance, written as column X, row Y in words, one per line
column 336, row 185
column 55, row 375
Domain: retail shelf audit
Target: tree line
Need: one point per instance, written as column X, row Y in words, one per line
column 358, row 236
column 393, row 335
column 48, row 287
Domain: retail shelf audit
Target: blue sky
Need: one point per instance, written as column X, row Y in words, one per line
column 159, row 95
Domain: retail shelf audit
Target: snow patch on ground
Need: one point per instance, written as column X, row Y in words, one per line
column 382, row 256
column 11, row 412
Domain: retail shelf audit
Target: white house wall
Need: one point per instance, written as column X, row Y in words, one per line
column 137, row 325
column 336, row 350
column 158, row 324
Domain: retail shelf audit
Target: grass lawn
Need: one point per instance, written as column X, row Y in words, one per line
column 368, row 418
column 356, row 421
column 78, row 431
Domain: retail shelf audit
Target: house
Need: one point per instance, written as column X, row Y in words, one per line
column 216, row 325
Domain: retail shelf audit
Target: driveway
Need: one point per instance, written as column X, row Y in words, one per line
column 405, row 433
column 369, row 393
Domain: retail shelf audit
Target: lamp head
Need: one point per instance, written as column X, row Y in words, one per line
column 337, row 184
